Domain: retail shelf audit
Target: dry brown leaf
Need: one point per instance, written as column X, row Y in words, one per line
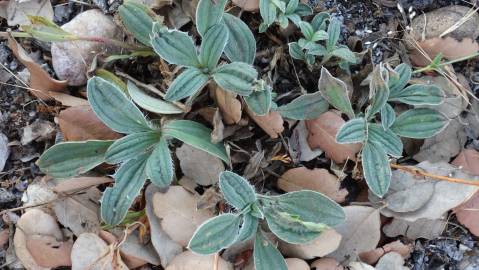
column 421, row 228
column 319, row 180
column 230, row 106
column 296, row 264
column 326, row 243
column 177, row 210
column 80, row 183
column 135, row 253
column 322, row 134
column 450, row 48
column 248, row 5
column 298, row 144
column 91, row 252
column 468, row 160
column 80, row 123
column 327, row 264
column 372, row 256
column 272, row 123
column 468, row 214
column 189, row 260
column 4, row 237
column 48, row 251
column 199, row 165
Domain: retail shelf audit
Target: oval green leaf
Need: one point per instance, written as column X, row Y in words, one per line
column 419, row 123
column 353, row 131
column 190, row 81
column 391, row 142
column 376, row 168
column 241, row 46
column 159, row 167
column 236, row 190
column 335, row 92
column 304, row 107
column 266, row 256
column 152, row 104
column 208, row 14
column 131, row 146
column 419, row 94
column 236, row 77
column 212, row 45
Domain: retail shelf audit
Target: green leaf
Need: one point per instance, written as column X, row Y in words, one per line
column 248, row 227
column 236, row 77
column 174, row 46
column 213, row 44
column 419, row 123
column 335, row 92
column 291, row 6
column 307, row 30
column 159, row 167
column 321, row 35
column 188, row 83
column 196, row 135
column 319, row 21
column 260, row 100
column 109, row 76
column 376, row 168
column 241, row 46
column 69, row 159
column 419, row 94
column 208, row 14
column 294, row 18
column 345, row 54
column 391, row 143
column 268, row 12
column 113, row 108
column 283, row 21
column 388, row 116
column 296, row 51
column 215, row 234
column 43, row 29
column 399, row 80
column 279, row 4
column 303, row 10
column 317, row 49
column 137, row 18
column 129, row 180
column 353, row 131
column 150, row 103
column 236, row 190
column 131, row 146
column 378, row 91
column 304, row 107
column 266, row 256
column 334, row 31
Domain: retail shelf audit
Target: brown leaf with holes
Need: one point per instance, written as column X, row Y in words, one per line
column 372, row 256
column 319, row 180
column 322, row 135
column 468, row 160
column 272, row 123
column 80, row 123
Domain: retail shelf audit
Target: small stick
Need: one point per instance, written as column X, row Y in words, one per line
column 417, row 171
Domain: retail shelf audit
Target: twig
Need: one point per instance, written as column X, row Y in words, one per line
column 416, row 171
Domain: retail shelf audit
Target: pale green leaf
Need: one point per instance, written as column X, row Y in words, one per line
column 241, row 46
column 391, row 142
column 419, row 123
column 291, row 6
column 266, row 256
column 137, row 19
column 319, row 21
column 335, row 92
column 196, row 135
column 307, row 30
column 334, row 31
column 296, row 51
column 236, row 77
column 150, row 103
column 400, row 79
column 43, row 29
column 353, row 131
column 303, row 10
column 208, row 14
column 345, row 53
column 69, row 159
column 159, row 167
column 215, row 234
column 188, row 83
column 212, row 45
column 388, row 116
column 268, row 12
column 378, row 91
column 249, row 226
column 236, row 190
column 321, row 35
column 419, row 94
column 131, row 146
column 260, row 101
column 113, row 108
column 304, row 107
column 376, row 168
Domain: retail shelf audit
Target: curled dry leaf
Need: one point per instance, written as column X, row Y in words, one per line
column 230, row 106
column 421, row 228
column 327, row 264
column 468, row 214
column 372, row 256
column 319, row 180
column 450, row 30
column 326, row 243
column 296, row 264
column 199, row 165
column 322, row 135
column 271, row 123
column 80, row 123
column 91, row 252
column 468, row 161
column 360, row 232
column 177, row 210
column 189, row 260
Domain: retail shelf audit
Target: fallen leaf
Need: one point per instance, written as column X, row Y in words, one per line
column 80, row 123
column 391, row 261
column 468, row 161
column 468, row 214
column 248, row 5
column 91, row 252
column 80, row 183
column 326, row 243
column 421, row 228
column 177, row 210
column 189, row 260
column 271, row 123
column 322, row 135
column 40, row 130
column 217, row 135
column 296, row 264
column 360, row 232
column 4, row 238
column 17, row 11
column 166, row 248
column 372, row 256
column 319, row 180
column 4, row 151
column 209, row 199
column 298, row 142
column 360, row 266
column 38, row 193
column 136, row 254
column 199, row 165
column 229, row 105
column 48, row 251
column 327, row 264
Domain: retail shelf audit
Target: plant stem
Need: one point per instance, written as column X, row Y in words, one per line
column 429, row 67
column 416, row 171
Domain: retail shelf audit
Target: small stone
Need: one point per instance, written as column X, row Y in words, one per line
column 72, row 59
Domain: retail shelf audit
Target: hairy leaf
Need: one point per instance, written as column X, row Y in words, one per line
column 419, row 123
column 196, row 135
column 296, row 51
column 388, row 116
column 376, row 168
column 236, row 77
column 174, row 46
column 159, row 167
column 334, row 31
column 378, row 91
column 43, row 29
column 69, row 159
column 236, row 190
column 208, row 14
column 150, row 103
column 399, row 80
column 113, row 108
column 345, row 54
column 129, row 180
column 391, row 143
column 137, row 19
column 307, row 30
column 188, row 83
column 241, row 46
column 319, row 21
column 213, row 44
column 248, row 227
column 268, row 12
column 215, row 234
column 335, row 92
column 260, row 101
column 304, row 107
column 131, row 146
column 353, row 131
column 419, row 94
column 266, row 256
